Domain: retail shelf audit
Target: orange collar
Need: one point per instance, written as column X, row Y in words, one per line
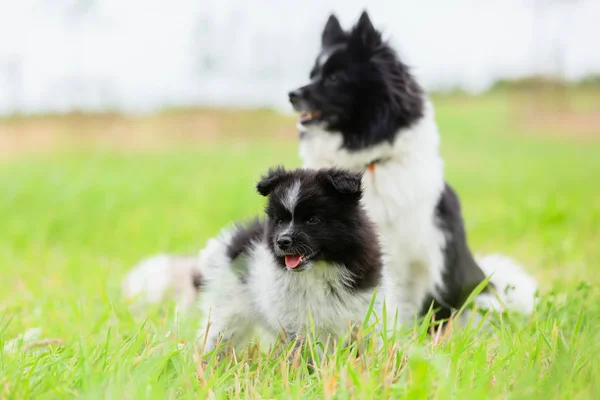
column 371, row 165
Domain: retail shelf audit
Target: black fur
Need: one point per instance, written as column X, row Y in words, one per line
column 363, row 90
column 328, row 223
column 197, row 280
column 244, row 235
column 268, row 182
column 332, row 33
column 462, row 274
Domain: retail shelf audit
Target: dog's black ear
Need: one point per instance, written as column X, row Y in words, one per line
column 365, row 32
column 344, row 182
column 269, row 181
column 332, row 33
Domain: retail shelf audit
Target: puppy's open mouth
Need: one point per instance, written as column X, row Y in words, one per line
column 293, row 261
column 297, row 262
column 309, row 116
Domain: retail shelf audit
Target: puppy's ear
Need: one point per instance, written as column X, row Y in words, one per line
column 269, row 181
column 365, row 32
column 344, row 182
column 332, row 33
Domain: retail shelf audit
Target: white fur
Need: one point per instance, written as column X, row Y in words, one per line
column 291, row 197
column 400, row 196
column 156, row 278
column 515, row 288
column 273, row 298
column 323, row 58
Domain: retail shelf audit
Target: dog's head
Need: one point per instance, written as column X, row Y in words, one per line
column 358, row 87
column 312, row 215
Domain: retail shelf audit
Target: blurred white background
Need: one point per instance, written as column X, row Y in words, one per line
column 140, row 55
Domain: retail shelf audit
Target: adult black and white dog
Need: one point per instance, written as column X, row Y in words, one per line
column 313, row 262
column 362, row 110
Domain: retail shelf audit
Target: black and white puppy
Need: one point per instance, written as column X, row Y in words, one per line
column 315, row 257
column 362, row 110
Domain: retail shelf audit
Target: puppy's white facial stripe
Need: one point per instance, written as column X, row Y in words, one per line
column 290, row 199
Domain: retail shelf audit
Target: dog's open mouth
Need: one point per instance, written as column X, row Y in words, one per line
column 297, row 262
column 293, row 261
column 308, row 116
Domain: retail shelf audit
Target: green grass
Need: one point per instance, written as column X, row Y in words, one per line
column 73, row 222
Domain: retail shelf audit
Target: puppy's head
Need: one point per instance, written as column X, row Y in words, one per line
column 312, row 215
column 358, row 87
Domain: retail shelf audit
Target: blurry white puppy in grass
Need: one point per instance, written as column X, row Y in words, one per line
column 162, row 278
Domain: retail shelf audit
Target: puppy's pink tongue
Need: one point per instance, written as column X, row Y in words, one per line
column 293, row 261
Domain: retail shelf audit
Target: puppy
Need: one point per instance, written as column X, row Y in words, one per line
column 362, row 110
column 313, row 261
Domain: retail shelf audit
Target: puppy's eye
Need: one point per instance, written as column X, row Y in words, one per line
column 279, row 222
column 312, row 221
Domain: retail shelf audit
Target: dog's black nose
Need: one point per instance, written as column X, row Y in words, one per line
column 284, row 242
column 295, row 95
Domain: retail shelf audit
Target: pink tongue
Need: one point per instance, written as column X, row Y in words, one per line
column 293, row 261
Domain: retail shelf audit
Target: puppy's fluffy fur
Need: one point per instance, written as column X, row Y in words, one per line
column 315, row 258
column 363, row 110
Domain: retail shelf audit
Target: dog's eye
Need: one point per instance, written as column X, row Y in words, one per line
column 279, row 222
column 312, row 221
column 332, row 79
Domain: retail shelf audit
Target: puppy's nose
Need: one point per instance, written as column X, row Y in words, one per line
column 284, row 242
column 295, row 95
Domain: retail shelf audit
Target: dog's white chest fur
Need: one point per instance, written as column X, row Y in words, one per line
column 401, row 194
column 289, row 299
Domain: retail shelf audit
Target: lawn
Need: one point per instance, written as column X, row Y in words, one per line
column 109, row 190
